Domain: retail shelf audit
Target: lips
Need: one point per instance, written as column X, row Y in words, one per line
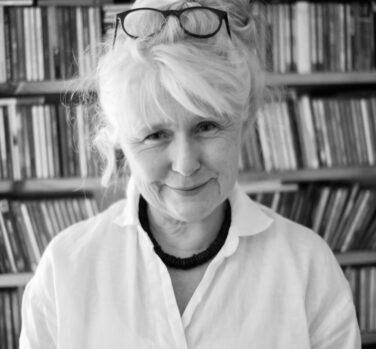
column 190, row 188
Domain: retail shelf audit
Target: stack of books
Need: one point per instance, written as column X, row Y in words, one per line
column 47, row 43
column 312, row 132
column 307, row 36
column 344, row 215
column 27, row 226
column 41, row 140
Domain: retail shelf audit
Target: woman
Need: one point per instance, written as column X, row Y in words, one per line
column 188, row 261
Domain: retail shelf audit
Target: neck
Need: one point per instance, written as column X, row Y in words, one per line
column 183, row 239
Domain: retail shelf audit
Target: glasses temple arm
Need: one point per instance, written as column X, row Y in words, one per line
column 227, row 26
column 116, row 29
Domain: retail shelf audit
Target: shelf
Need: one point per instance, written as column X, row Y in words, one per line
column 310, row 175
column 16, row 2
column 54, row 2
column 56, row 185
column 355, row 258
column 291, row 79
column 72, row 2
column 37, row 87
column 14, row 280
column 322, row 78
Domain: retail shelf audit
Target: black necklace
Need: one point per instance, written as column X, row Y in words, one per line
column 196, row 259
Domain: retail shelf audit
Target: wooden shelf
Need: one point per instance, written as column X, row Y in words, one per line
column 16, row 2
column 310, row 175
column 14, row 280
column 55, row 2
column 291, row 79
column 322, row 78
column 37, row 87
column 72, row 2
column 355, row 258
column 56, row 185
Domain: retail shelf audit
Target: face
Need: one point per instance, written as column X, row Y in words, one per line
column 184, row 167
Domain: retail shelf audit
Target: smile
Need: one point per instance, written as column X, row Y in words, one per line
column 189, row 190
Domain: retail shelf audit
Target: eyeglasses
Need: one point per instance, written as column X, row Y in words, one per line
column 199, row 22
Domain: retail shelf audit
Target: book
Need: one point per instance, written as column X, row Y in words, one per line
column 16, row 315
column 6, row 246
column 302, row 34
column 306, row 132
column 3, row 70
column 21, row 52
column 3, row 146
column 366, row 127
column 320, row 209
column 10, row 340
column 360, row 208
column 336, row 211
column 28, row 43
column 28, row 241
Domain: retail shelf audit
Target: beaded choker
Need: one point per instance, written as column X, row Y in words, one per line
column 196, row 259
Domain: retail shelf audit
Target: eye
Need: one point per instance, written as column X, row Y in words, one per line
column 206, row 126
column 157, row 136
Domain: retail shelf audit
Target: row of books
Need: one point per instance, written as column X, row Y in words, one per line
column 343, row 215
column 27, row 226
column 39, row 140
column 312, row 132
column 363, row 284
column 10, row 317
column 318, row 36
column 46, row 43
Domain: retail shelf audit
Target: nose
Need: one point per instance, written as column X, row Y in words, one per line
column 185, row 156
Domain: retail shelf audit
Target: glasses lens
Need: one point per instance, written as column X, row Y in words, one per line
column 143, row 23
column 200, row 21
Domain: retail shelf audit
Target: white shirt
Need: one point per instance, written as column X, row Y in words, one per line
column 274, row 284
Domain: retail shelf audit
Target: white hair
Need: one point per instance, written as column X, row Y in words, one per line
column 219, row 75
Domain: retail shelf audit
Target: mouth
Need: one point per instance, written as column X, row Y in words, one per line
column 189, row 189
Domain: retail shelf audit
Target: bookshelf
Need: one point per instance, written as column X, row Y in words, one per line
column 312, row 175
column 14, row 280
column 287, row 72
column 44, row 186
column 273, row 79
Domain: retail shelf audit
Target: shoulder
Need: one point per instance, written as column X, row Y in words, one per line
column 297, row 252
column 307, row 255
column 295, row 237
column 78, row 249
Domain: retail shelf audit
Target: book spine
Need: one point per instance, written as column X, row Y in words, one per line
column 302, row 37
column 21, row 52
column 3, row 71
column 36, row 139
column 49, row 141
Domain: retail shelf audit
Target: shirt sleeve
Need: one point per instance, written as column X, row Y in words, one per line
column 39, row 321
column 330, row 307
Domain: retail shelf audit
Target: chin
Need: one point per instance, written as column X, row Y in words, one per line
column 192, row 213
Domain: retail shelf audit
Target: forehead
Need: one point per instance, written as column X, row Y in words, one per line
column 165, row 110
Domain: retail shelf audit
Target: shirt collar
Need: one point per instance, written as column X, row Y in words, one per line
column 247, row 217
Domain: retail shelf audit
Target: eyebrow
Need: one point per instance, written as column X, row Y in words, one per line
column 150, row 126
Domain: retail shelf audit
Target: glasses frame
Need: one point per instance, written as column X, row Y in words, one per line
column 222, row 15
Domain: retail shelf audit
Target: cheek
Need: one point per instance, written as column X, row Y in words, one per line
column 222, row 157
column 146, row 165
